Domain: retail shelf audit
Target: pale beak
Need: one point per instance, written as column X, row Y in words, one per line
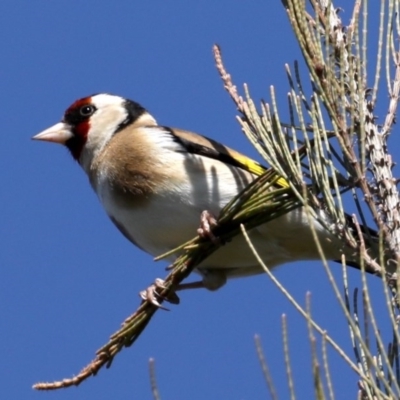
column 58, row 133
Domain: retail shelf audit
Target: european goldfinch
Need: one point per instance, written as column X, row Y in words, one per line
column 154, row 183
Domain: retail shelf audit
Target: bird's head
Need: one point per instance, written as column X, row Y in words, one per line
column 90, row 122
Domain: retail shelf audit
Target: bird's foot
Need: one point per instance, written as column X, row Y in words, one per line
column 207, row 222
column 151, row 295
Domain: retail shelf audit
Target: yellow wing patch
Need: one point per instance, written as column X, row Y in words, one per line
column 255, row 168
column 204, row 146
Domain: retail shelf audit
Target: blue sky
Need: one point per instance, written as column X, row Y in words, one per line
column 68, row 278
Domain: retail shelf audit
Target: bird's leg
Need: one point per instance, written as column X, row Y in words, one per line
column 191, row 285
column 207, row 222
column 211, row 281
column 151, row 294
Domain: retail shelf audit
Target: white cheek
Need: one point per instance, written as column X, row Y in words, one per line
column 102, row 128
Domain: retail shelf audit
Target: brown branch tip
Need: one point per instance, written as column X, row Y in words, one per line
column 226, row 77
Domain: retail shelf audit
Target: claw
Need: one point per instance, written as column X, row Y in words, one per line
column 172, row 297
column 150, row 294
column 207, row 222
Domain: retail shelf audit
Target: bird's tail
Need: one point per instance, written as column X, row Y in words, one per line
column 371, row 240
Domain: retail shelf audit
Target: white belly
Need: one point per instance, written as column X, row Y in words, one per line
column 163, row 225
column 171, row 217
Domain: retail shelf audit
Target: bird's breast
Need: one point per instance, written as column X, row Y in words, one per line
column 161, row 219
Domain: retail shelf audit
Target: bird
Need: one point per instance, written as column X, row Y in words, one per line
column 155, row 183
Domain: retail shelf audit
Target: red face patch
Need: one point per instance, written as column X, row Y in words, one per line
column 77, row 116
column 78, row 104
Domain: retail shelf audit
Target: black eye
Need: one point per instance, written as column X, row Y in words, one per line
column 87, row 111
